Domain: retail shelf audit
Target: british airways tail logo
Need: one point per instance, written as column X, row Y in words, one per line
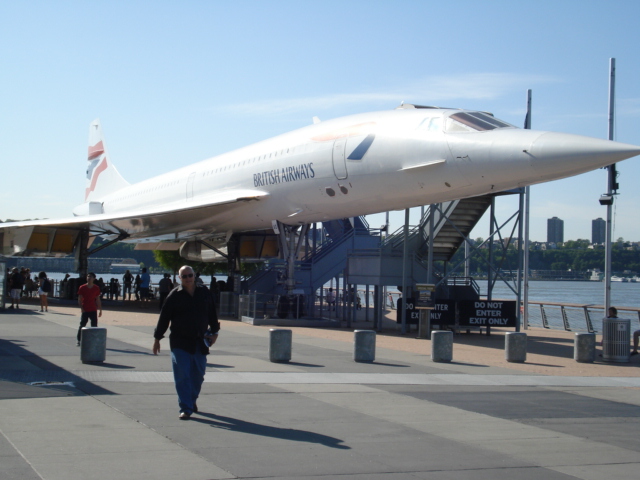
column 96, row 167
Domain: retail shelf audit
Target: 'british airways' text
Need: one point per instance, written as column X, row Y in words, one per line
column 285, row 174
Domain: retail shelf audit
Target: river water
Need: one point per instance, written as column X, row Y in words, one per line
column 622, row 294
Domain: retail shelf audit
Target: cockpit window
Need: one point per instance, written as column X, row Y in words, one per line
column 432, row 124
column 474, row 122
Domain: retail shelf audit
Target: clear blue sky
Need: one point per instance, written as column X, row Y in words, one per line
column 177, row 82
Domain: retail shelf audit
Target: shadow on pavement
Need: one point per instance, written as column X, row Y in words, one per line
column 292, row 434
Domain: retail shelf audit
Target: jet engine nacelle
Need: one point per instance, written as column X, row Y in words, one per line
column 254, row 247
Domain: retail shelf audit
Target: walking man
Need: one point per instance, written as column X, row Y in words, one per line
column 90, row 303
column 190, row 311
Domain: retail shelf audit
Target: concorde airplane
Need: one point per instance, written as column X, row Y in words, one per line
column 355, row 165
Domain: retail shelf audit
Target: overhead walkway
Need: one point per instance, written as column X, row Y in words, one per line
column 334, row 241
column 351, row 243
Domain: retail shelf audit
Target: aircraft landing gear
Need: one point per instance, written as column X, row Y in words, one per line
column 291, row 243
column 291, row 305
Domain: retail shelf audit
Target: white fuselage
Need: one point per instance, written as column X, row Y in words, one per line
column 400, row 158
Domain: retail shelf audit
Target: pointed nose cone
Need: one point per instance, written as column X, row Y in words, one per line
column 558, row 155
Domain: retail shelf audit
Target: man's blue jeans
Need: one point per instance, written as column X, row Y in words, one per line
column 188, row 375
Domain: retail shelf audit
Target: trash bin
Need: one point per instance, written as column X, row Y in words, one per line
column 616, row 339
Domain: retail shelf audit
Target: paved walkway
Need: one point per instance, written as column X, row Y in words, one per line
column 319, row 416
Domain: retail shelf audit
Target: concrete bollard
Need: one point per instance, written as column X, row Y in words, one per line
column 364, row 346
column 93, row 344
column 441, row 346
column 584, row 347
column 515, row 347
column 280, row 345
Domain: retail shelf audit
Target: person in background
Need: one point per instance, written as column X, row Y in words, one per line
column 90, row 303
column 137, row 283
column 62, row 288
column 636, row 338
column 215, row 289
column 100, row 283
column 28, row 284
column 145, row 285
column 43, row 291
column 331, row 299
column 636, row 334
column 116, row 289
column 15, row 284
column 127, row 281
column 164, row 287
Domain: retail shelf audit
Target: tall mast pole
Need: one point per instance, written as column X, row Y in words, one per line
column 611, row 190
column 527, row 198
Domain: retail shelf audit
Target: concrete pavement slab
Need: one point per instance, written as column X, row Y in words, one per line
column 619, row 432
column 321, row 416
column 528, row 403
column 521, row 473
column 78, row 437
column 623, row 471
column 13, row 466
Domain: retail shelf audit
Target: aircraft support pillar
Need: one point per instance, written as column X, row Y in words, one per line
column 291, row 261
column 519, row 312
column 376, row 307
column 82, row 253
column 290, row 250
column 366, row 305
column 405, row 290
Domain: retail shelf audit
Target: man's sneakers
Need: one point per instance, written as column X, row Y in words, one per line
column 187, row 416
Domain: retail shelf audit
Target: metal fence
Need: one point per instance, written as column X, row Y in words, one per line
column 575, row 318
column 228, row 306
column 262, row 305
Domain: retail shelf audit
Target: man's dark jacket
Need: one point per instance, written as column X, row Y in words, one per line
column 188, row 317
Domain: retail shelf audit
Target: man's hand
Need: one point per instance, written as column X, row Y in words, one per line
column 211, row 338
column 156, row 346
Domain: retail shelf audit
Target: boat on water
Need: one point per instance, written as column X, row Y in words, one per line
column 615, row 278
column 596, row 275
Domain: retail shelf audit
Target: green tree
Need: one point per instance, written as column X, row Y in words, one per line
column 559, row 266
column 580, row 244
column 172, row 261
column 169, row 259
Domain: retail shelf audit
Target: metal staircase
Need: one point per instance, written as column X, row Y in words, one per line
column 352, row 238
column 453, row 221
column 328, row 259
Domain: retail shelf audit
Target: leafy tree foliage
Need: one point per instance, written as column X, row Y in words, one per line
column 579, row 258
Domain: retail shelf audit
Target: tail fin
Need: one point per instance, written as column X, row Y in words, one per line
column 102, row 176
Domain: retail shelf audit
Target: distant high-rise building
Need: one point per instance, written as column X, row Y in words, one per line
column 598, row 231
column 555, row 230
